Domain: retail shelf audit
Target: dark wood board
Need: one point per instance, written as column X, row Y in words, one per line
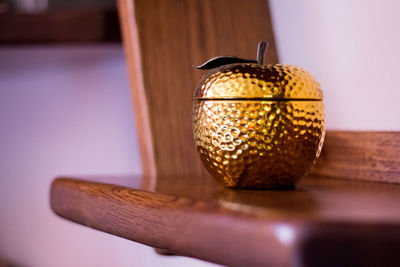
column 86, row 25
column 370, row 156
column 323, row 222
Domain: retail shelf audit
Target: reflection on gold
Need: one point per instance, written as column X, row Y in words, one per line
column 258, row 126
column 258, row 81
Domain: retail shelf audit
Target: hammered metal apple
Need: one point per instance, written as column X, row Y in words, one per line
column 256, row 125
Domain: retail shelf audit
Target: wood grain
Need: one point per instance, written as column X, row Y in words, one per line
column 163, row 39
column 324, row 222
column 371, row 156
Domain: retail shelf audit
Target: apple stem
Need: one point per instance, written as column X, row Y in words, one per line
column 262, row 48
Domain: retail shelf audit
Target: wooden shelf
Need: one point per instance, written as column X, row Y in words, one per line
column 86, row 25
column 323, row 222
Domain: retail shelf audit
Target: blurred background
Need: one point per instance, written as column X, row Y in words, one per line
column 65, row 108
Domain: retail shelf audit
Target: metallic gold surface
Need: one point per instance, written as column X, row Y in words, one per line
column 246, row 141
column 256, row 81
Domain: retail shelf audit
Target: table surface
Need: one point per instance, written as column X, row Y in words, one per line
column 322, row 218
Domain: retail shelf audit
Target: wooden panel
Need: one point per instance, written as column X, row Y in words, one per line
column 371, row 156
column 89, row 25
column 322, row 221
column 133, row 55
column 163, row 39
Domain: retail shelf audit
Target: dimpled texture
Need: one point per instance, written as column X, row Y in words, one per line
column 258, row 144
column 258, row 81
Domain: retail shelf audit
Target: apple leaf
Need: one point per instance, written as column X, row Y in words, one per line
column 220, row 61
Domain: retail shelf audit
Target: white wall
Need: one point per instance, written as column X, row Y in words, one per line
column 353, row 48
column 64, row 111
